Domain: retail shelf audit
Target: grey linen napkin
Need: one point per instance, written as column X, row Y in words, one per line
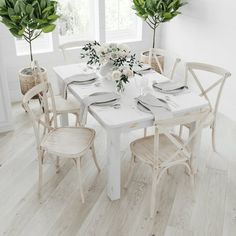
column 158, row 107
column 81, row 76
column 93, row 99
column 170, row 87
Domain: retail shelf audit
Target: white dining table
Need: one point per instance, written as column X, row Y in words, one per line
column 128, row 117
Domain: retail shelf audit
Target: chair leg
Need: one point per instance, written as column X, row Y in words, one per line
column 213, row 138
column 153, row 193
column 130, row 171
column 78, row 165
column 23, row 107
column 192, row 181
column 77, row 121
column 145, row 132
column 40, row 177
column 180, row 131
column 95, row 158
column 168, row 171
column 57, row 164
column 192, row 178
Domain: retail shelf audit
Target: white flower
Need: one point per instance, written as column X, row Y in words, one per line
column 116, row 75
column 114, row 55
column 106, row 45
column 98, row 49
column 130, row 73
column 102, row 60
column 104, row 49
column 121, row 54
column 113, row 45
column 124, row 48
column 127, row 72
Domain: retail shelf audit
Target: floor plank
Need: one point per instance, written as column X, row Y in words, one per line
column 60, row 211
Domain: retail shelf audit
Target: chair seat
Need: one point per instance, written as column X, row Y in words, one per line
column 143, row 149
column 207, row 122
column 68, row 141
column 63, row 106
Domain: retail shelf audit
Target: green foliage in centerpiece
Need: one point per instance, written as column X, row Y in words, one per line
column 118, row 55
column 155, row 12
column 28, row 18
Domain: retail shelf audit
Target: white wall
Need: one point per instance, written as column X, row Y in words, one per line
column 5, row 109
column 206, row 32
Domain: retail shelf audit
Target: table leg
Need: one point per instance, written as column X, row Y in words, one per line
column 195, row 145
column 61, row 86
column 64, row 121
column 113, row 157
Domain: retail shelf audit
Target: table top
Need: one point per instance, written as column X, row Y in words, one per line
column 128, row 113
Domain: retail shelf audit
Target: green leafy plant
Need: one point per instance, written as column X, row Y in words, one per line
column 155, row 12
column 28, row 18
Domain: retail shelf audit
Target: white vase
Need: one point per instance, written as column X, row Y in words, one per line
column 106, row 70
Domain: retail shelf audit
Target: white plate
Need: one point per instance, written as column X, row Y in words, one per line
column 142, row 108
column 107, row 103
column 145, row 67
column 171, row 91
column 84, row 82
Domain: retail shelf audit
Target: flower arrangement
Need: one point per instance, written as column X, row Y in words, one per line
column 118, row 55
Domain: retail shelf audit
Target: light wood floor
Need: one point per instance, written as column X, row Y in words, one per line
column 60, row 211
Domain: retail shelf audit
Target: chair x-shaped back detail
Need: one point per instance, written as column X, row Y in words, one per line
column 191, row 67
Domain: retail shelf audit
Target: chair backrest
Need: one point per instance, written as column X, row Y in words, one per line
column 219, row 80
column 65, row 47
column 40, row 116
column 163, row 128
column 166, row 64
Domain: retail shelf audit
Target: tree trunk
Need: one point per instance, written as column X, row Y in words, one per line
column 31, row 53
column 154, row 38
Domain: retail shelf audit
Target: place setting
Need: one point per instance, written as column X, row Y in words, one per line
column 170, row 87
column 99, row 99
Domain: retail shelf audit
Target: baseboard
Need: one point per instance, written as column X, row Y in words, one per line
column 6, row 127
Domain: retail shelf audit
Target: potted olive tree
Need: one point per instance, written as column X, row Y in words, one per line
column 28, row 19
column 155, row 12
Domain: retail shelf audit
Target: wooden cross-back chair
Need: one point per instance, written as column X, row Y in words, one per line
column 221, row 76
column 65, row 47
column 61, row 142
column 63, row 106
column 162, row 58
column 164, row 150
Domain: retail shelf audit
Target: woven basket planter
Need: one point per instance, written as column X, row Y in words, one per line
column 145, row 59
column 27, row 81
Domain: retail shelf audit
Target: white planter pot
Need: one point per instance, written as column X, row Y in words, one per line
column 27, row 81
column 144, row 57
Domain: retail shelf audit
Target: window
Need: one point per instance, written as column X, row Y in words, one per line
column 77, row 21
column 41, row 44
column 121, row 22
column 80, row 21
